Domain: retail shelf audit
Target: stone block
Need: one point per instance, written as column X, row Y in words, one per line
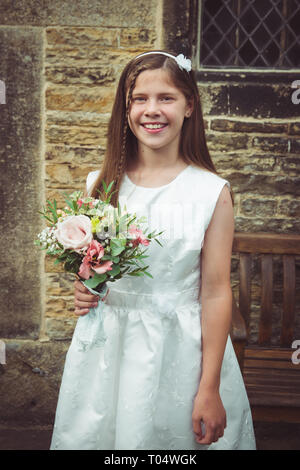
column 31, row 378
column 108, row 13
column 137, row 38
column 83, row 36
column 294, row 128
column 74, row 155
column 267, row 224
column 258, row 206
column 66, row 176
column 226, row 142
column 265, row 184
column 59, row 284
column 75, row 135
column 80, row 98
column 272, row 144
column 61, row 328
column 96, row 76
column 21, row 58
column 261, row 101
column 214, row 99
column 235, row 161
column 289, row 207
column 248, row 126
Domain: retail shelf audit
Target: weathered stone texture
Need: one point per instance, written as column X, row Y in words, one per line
column 108, row 13
column 21, row 58
column 30, row 381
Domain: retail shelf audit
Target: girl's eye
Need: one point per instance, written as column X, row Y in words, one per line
column 166, row 98
column 138, row 99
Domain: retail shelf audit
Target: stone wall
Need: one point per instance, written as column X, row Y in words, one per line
column 60, row 62
column 253, row 136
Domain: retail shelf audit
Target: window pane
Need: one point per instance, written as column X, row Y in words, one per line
column 256, row 33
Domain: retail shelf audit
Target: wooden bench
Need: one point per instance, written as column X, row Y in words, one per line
column 272, row 380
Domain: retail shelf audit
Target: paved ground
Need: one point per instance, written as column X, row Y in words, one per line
column 269, row 436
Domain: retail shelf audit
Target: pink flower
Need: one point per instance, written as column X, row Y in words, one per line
column 74, row 232
column 79, row 202
column 138, row 236
column 91, row 263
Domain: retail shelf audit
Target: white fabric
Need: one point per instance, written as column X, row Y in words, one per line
column 135, row 389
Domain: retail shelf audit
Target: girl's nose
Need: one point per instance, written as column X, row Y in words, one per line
column 152, row 107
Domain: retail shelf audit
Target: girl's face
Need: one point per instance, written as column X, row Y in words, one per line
column 157, row 111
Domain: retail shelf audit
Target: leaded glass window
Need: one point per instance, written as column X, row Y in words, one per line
column 250, row 33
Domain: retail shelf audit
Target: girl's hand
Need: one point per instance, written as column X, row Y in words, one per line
column 209, row 409
column 84, row 300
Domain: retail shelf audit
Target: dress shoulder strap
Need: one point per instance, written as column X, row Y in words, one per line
column 90, row 180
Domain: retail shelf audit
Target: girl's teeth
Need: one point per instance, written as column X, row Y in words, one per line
column 154, row 126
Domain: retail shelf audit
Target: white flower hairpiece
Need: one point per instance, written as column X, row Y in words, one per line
column 182, row 62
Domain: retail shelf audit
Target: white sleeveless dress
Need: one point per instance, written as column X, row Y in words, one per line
column 131, row 383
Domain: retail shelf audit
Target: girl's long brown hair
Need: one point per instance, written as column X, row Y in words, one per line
column 121, row 142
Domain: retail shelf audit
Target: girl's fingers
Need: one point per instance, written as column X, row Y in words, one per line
column 81, row 311
column 80, row 287
column 197, row 429
column 211, row 435
column 80, row 304
column 90, row 298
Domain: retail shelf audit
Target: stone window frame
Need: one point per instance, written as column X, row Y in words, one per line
column 181, row 35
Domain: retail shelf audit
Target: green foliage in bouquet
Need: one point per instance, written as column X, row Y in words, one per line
column 95, row 240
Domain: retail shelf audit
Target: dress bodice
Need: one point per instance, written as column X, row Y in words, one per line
column 182, row 209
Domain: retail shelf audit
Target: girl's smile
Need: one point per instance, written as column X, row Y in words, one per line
column 154, row 127
column 157, row 111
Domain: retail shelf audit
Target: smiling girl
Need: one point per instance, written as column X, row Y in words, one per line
column 166, row 376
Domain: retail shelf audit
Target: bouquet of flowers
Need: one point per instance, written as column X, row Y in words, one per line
column 95, row 241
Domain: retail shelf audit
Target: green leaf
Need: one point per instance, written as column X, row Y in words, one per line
column 148, row 274
column 117, row 245
column 110, row 186
column 95, row 281
column 104, row 186
column 115, row 270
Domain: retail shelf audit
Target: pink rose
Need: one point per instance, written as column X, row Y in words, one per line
column 91, row 263
column 74, row 232
column 138, row 236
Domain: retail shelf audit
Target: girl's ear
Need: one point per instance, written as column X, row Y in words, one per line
column 189, row 107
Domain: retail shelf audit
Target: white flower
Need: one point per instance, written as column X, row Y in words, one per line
column 183, row 62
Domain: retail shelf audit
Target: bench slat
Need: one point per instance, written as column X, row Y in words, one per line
column 273, row 353
column 265, row 327
column 289, row 289
column 263, row 242
column 245, row 287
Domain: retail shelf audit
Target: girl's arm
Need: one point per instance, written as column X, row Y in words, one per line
column 216, row 299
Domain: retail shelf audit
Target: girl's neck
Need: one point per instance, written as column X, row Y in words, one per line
column 155, row 171
column 150, row 160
